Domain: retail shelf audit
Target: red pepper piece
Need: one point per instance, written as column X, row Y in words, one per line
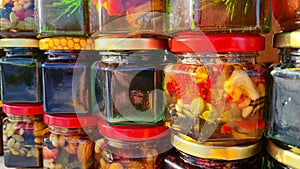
column 226, row 129
column 114, row 7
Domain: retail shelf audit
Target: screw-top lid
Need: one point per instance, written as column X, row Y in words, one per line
column 283, row 156
column 70, row 120
column 130, row 44
column 132, row 133
column 217, row 43
column 192, row 147
column 18, row 43
column 23, row 109
column 287, row 40
column 66, row 43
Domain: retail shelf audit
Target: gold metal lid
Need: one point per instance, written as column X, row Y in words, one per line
column 192, row 147
column 287, row 40
column 18, row 43
column 130, row 44
column 283, row 156
column 66, row 43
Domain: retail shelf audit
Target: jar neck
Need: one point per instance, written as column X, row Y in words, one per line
column 217, row 58
column 22, row 52
column 62, row 55
column 188, row 158
column 27, row 118
column 67, row 131
column 290, row 55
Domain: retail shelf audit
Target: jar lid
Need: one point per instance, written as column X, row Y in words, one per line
column 66, row 43
column 192, row 147
column 130, row 44
column 19, row 43
column 132, row 133
column 23, row 109
column 287, row 40
column 217, row 43
column 70, row 120
column 283, row 156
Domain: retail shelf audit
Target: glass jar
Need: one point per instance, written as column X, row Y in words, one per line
column 280, row 158
column 128, row 16
column 127, row 81
column 287, row 14
column 61, row 18
column 66, row 85
column 21, row 80
column 17, row 19
column 191, row 155
column 215, row 93
column 283, row 115
column 66, row 144
column 217, row 16
column 23, row 131
column 132, row 146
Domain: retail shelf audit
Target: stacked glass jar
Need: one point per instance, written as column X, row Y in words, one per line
column 283, row 115
column 215, row 97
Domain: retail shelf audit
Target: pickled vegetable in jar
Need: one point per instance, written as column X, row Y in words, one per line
column 287, row 14
column 192, row 155
column 217, row 16
column 129, row 16
column 66, row 86
column 17, row 19
column 132, row 146
column 23, row 131
column 21, row 72
column 66, row 144
column 280, row 157
column 283, row 115
column 62, row 18
column 215, row 94
column 127, row 81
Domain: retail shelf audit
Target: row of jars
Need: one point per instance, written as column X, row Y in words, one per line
column 38, row 18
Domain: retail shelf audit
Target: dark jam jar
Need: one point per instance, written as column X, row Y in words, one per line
column 21, row 72
column 215, row 93
column 127, row 81
column 287, row 14
column 217, row 16
column 132, row 146
column 192, row 155
column 66, row 86
column 67, row 144
column 283, row 115
column 61, row 18
column 280, row 157
column 23, row 131
column 17, row 18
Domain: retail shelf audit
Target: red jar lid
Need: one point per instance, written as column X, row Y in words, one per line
column 217, row 43
column 22, row 109
column 132, row 133
column 70, row 120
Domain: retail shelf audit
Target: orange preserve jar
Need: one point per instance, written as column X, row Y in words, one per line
column 216, row 91
column 287, row 14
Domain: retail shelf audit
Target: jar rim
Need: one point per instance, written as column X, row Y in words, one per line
column 18, row 42
column 194, row 148
column 132, row 133
column 200, row 42
column 23, row 109
column 70, row 120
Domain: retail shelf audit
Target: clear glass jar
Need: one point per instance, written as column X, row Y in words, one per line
column 127, row 81
column 66, row 85
column 280, row 158
column 66, row 144
column 191, row 155
column 17, row 19
column 132, row 146
column 21, row 71
column 61, row 18
column 215, row 94
column 129, row 16
column 283, row 115
column 217, row 16
column 287, row 14
column 23, row 131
